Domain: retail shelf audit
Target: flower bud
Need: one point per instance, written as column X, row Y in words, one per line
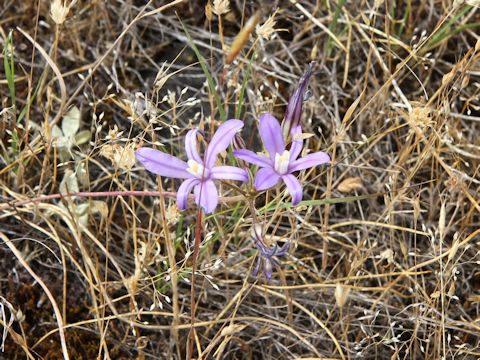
column 295, row 104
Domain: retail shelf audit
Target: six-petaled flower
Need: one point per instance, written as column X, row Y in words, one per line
column 281, row 163
column 199, row 173
column 266, row 254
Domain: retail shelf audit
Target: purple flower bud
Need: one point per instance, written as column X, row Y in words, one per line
column 295, row 104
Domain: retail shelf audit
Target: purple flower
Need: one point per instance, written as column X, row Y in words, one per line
column 266, row 254
column 199, row 174
column 281, row 163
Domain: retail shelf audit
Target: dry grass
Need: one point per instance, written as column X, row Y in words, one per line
column 385, row 267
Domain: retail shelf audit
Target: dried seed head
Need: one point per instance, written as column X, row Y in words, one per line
column 121, row 157
column 420, row 118
column 209, row 11
column 341, row 295
column 455, row 246
column 242, row 38
column 267, row 29
column 221, row 7
column 441, row 221
column 58, row 11
column 350, row 184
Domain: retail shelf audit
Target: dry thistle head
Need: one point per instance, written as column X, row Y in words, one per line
column 58, row 11
column 221, row 7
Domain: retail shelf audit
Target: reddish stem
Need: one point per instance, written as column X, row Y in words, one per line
column 171, row 194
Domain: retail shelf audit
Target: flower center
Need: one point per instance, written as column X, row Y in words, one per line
column 197, row 169
column 282, row 162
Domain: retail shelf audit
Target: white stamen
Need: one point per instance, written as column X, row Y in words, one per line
column 282, row 162
column 196, row 169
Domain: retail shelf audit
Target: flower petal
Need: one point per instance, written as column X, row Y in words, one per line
column 257, row 265
column 271, row 134
column 162, row 164
column 229, row 173
column 266, row 178
column 309, row 161
column 267, row 268
column 294, row 188
column 191, row 146
column 297, row 143
column 206, row 196
column 183, row 191
column 252, row 158
column 220, row 141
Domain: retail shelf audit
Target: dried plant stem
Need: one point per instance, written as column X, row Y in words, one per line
column 170, row 194
column 170, row 245
column 196, row 250
column 220, row 31
column 58, row 314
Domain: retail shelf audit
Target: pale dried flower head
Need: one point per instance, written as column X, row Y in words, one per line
column 114, row 134
column 58, row 11
column 420, row 118
column 121, row 157
column 267, row 29
column 172, row 214
column 221, row 7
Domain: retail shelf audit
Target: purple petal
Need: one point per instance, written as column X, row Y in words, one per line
column 271, row 135
column 183, row 191
column 220, row 141
column 294, row 188
column 229, row 173
column 267, row 268
column 297, row 144
column 252, row 158
column 266, row 178
column 191, row 146
column 206, row 196
column 283, row 249
column 257, row 265
column 162, row 164
column 309, row 161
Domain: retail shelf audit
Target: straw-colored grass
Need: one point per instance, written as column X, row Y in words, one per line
column 95, row 258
